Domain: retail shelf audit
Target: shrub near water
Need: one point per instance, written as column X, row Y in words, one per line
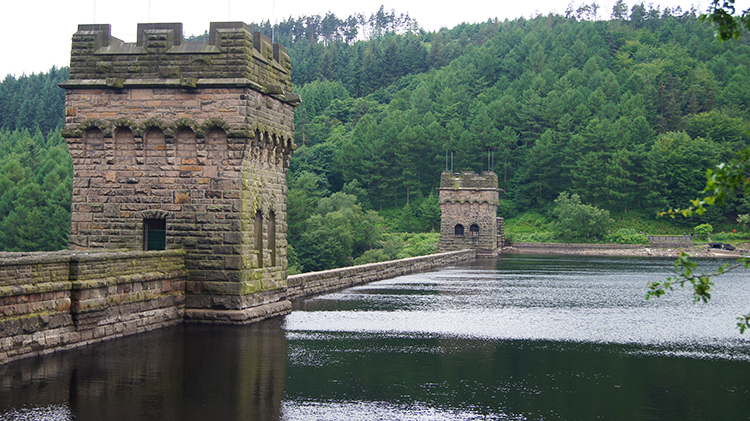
column 627, row 236
column 703, row 231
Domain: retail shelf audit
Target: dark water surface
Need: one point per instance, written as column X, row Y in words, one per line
column 522, row 337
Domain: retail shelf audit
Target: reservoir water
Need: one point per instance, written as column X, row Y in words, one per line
column 517, row 338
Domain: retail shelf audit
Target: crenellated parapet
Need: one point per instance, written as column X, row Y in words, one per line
column 469, row 187
column 468, row 180
column 161, row 57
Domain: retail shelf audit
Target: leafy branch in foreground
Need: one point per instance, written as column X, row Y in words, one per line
column 684, row 268
column 726, row 179
column 728, row 26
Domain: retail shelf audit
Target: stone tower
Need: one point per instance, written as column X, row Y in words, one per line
column 185, row 145
column 468, row 205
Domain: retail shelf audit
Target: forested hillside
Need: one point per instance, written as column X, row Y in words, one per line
column 35, row 166
column 627, row 112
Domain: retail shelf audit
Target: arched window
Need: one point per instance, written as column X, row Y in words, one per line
column 474, row 230
column 259, row 236
column 459, row 230
column 272, row 236
column 94, row 145
column 155, row 147
column 124, row 145
column 216, row 143
column 185, row 146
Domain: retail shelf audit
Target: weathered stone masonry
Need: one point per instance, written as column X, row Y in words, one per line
column 468, row 205
column 180, row 152
column 185, row 145
column 60, row 300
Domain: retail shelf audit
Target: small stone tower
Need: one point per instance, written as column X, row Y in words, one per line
column 468, row 205
column 185, row 145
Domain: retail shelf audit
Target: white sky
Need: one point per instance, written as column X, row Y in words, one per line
column 36, row 34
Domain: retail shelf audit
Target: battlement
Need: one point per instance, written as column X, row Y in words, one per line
column 234, row 56
column 468, row 180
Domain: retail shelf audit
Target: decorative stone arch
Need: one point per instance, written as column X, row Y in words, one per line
column 202, row 131
column 130, row 124
column 104, row 126
column 185, row 122
column 156, row 214
column 161, row 125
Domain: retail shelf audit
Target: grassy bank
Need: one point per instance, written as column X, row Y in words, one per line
column 536, row 227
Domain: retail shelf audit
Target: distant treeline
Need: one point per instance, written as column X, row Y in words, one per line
column 34, row 101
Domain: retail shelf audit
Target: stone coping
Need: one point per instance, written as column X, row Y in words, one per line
column 302, row 277
column 38, row 257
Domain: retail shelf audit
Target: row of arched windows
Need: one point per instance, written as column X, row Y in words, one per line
column 154, row 145
column 458, row 230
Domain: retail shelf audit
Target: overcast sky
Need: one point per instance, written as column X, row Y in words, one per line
column 36, row 34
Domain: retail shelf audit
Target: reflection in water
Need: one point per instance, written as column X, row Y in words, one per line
column 192, row 372
column 518, row 338
column 522, row 338
column 40, row 413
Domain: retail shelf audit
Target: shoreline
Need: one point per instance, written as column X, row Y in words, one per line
column 628, row 250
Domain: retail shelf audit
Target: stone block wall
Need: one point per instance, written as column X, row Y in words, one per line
column 196, row 136
column 469, row 200
column 330, row 280
column 59, row 300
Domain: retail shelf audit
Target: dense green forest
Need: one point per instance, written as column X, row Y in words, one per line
column 626, row 113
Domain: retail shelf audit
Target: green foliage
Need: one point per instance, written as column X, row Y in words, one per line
column 684, row 269
column 337, row 233
column 31, row 102
column 628, row 114
column 534, row 237
column 372, row 256
column 400, row 246
column 576, row 221
column 292, row 261
column 528, row 222
column 743, row 220
column 728, row 26
column 627, row 236
column 703, row 231
column 35, row 191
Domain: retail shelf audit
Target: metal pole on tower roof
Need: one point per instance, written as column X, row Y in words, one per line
column 273, row 25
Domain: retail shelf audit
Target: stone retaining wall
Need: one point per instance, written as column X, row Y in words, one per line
column 328, row 280
column 577, row 246
column 60, row 300
column 636, row 250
